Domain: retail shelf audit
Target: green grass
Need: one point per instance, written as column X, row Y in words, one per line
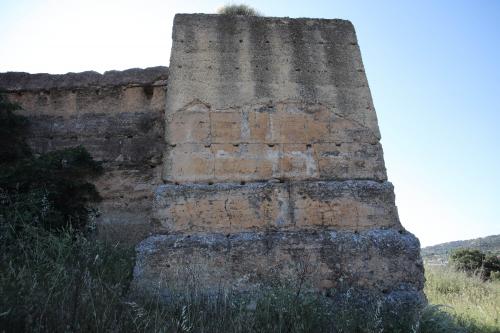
column 461, row 302
column 62, row 282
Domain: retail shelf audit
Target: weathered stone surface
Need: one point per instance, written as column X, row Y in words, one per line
column 298, row 86
column 195, row 162
column 386, row 262
column 119, row 118
column 229, row 207
column 20, row 81
column 273, row 162
column 268, row 144
column 235, row 61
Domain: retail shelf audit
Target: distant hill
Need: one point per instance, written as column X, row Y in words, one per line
column 438, row 254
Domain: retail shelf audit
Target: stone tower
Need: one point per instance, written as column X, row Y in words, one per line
column 273, row 161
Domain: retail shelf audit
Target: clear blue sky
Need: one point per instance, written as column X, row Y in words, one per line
column 433, row 68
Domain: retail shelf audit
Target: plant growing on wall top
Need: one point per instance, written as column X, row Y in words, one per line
column 242, row 10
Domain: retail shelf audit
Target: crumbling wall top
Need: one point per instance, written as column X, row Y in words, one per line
column 21, row 81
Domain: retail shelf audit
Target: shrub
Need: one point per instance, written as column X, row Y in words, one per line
column 12, row 126
column 242, row 10
column 52, row 189
column 491, row 266
column 53, row 276
column 469, row 260
column 474, row 261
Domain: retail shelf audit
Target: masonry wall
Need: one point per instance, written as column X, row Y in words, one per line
column 273, row 166
column 118, row 117
column 261, row 158
column 261, row 98
column 283, row 102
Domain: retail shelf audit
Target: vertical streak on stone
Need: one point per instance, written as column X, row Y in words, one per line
column 301, row 62
column 291, row 205
column 261, row 50
column 245, row 129
column 228, row 55
column 332, row 58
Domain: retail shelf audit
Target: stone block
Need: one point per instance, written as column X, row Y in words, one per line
column 259, row 127
column 222, row 207
column 189, row 162
column 350, row 161
column 298, row 162
column 246, row 162
column 229, row 207
column 349, row 205
column 288, row 127
column 225, row 127
column 385, row 263
column 188, row 127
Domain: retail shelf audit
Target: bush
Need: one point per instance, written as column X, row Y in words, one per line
column 474, row 261
column 52, row 189
column 53, row 277
column 12, row 126
column 436, row 319
column 468, row 260
column 242, row 10
column 491, row 266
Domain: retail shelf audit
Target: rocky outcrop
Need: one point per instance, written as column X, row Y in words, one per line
column 119, row 117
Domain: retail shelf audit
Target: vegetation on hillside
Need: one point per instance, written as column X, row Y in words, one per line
column 441, row 252
column 241, row 9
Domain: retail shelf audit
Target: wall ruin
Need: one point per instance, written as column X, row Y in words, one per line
column 119, row 118
column 262, row 156
column 273, row 161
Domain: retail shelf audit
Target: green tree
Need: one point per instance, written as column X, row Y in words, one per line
column 469, row 260
column 475, row 262
column 491, row 265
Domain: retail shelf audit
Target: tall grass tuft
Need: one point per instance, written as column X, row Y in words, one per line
column 463, row 300
column 66, row 281
column 57, row 282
